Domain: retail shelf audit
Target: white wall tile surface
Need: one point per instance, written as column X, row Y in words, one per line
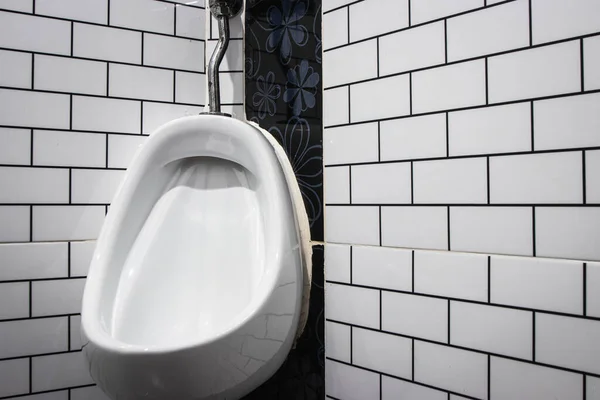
column 15, row 146
column 339, row 35
column 33, row 109
column 337, row 260
column 381, row 184
column 14, row 377
column 52, row 36
column 57, row 297
column 144, row 15
column 380, row 98
column 67, row 222
column 67, row 148
column 140, row 83
column 73, row 371
column 383, row 267
column 172, row 52
column 14, row 300
column 94, row 186
column 82, row 10
column 15, row 69
column 413, row 138
column 353, row 305
column 346, row 382
column 336, row 185
column 554, row 19
column 34, row 336
column 122, row 148
column 427, row 10
column 14, row 223
column 591, row 63
column 106, row 115
column 337, row 341
column 399, row 389
column 362, row 13
column 33, row 260
column 352, row 224
column 33, row 185
column 382, row 352
column 104, row 43
column 363, row 58
column 417, row 316
column 422, row 227
column 81, row 256
column 350, row 144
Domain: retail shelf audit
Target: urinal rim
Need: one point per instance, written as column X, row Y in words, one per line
column 92, row 328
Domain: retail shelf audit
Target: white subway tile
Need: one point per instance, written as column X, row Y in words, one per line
column 382, row 352
column 382, row 267
column 381, row 183
column 567, row 122
column 356, row 225
column 555, row 19
column 381, row 98
column 78, row 149
column 81, row 257
column 363, row 14
column 501, row 230
column 337, row 262
column 232, row 87
column 593, row 289
column 122, row 148
column 460, row 371
column 34, row 336
column 33, row 260
column 392, row 389
column 567, row 342
column 14, row 377
column 488, row 31
column 190, row 22
column 413, row 138
column 33, row 109
column 336, row 102
column 417, row 316
column 95, row 185
column 106, row 43
column 537, row 72
column 496, row 330
column 518, row 380
column 51, row 36
column 67, row 222
column 591, row 63
column 336, row 185
column 172, row 52
column 190, row 88
column 592, row 388
column 157, row 114
column 538, row 283
column 15, row 146
column 106, row 115
column 350, row 144
column 448, row 87
column 359, row 61
column 349, row 383
column 337, row 341
column 235, row 27
column 147, row 15
column 568, row 232
column 34, row 185
column 331, row 4
column 499, row 129
column 88, row 393
column 418, row 227
column 14, row 223
column 73, row 371
column 14, row 300
column 411, row 49
column 450, row 181
column 426, row 10
column 536, row 178
column 352, row 305
column 450, row 274
column 75, row 331
column 15, row 69
column 62, row 395
column 335, row 28
column 140, row 82
column 57, row 297
column 233, row 59
column 17, row 5
column 80, row 10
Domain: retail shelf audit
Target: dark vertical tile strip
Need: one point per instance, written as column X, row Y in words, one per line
column 378, row 140
column 533, row 229
column 410, row 96
column 32, row 71
column 380, row 387
column 380, row 309
column 174, row 19
column 31, row 223
column 487, row 165
column 380, row 236
column 533, row 336
column 174, row 86
column 489, row 377
column 532, row 127
column 412, row 185
column 530, row 25
column 412, row 255
column 107, row 79
column 487, row 97
column 445, row 41
column 489, row 279
column 142, row 50
column 448, row 223
column 350, row 184
column 447, row 135
column 70, row 112
column 412, row 373
column 72, row 36
column 70, row 184
column 377, row 41
column 106, row 150
column 584, row 382
column 351, row 254
column 30, row 374
column 141, row 117
column 583, row 177
column 348, row 16
column 409, row 18
column 108, row 12
column 584, row 289
column 351, row 345
column 33, row 9
column 31, row 138
column 30, row 299
column 581, row 64
column 449, row 339
column 69, row 259
column 69, row 333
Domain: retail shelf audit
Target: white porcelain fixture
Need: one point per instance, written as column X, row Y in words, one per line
column 194, row 291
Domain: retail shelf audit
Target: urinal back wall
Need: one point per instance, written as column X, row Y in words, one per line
column 462, row 190
column 81, row 84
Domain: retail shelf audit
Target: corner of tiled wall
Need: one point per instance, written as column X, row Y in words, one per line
column 82, row 83
column 461, row 152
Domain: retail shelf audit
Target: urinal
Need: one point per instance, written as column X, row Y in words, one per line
column 196, row 283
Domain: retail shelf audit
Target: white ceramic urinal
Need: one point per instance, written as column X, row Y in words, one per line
column 195, row 286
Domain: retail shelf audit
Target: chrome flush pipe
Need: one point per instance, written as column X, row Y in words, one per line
column 222, row 10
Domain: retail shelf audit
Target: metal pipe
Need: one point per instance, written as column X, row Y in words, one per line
column 214, row 87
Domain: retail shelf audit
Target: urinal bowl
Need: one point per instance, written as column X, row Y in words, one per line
column 195, row 285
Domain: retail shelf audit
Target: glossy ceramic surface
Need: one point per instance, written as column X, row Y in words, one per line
column 194, row 288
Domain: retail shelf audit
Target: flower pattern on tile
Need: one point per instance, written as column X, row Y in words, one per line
column 266, row 94
column 301, row 87
column 283, row 23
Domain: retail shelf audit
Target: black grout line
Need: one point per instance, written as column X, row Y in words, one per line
column 448, row 226
column 377, row 55
column 106, row 151
column 380, row 235
column 508, row 205
column 380, row 310
column 69, row 259
column 174, row 19
column 33, row 7
column 174, row 86
column 449, row 341
column 378, row 141
column 18, row 396
column 531, row 114
column 412, row 185
column 70, row 184
column 489, row 374
column 350, row 184
column 412, row 374
column 56, row 167
column 462, row 395
column 533, row 230
column 349, row 107
column 72, row 36
column 469, row 301
column 409, row 17
column 30, row 300
column 59, row 278
column 584, row 379
column 445, row 41
column 530, row 26
column 487, row 167
column 340, row 7
column 31, row 134
column 489, row 279
column 410, row 95
column 32, row 71
column 30, row 230
column 108, row 12
column 50, row 17
column 380, row 387
column 581, row 64
column 69, row 333
column 533, row 337
column 30, row 374
column 107, row 79
column 182, row 4
column 351, row 344
column 70, row 112
column 348, row 21
column 584, row 289
column 447, row 135
column 413, row 270
column 583, row 176
column 142, row 51
column 141, row 117
column 351, row 251
column 487, row 90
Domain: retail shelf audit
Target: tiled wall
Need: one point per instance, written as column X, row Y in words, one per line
column 81, row 84
column 462, row 190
